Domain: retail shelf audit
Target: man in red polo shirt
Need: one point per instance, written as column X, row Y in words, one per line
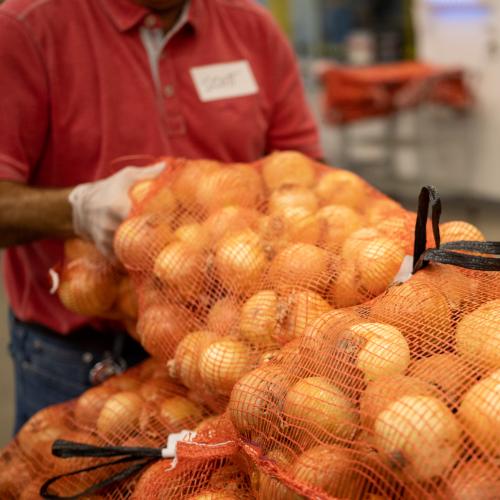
column 86, row 87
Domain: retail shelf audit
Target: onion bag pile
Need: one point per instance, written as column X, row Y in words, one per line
column 230, row 261
column 138, row 408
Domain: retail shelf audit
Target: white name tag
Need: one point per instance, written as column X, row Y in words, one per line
column 225, row 80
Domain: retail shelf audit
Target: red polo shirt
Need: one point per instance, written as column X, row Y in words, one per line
column 77, row 92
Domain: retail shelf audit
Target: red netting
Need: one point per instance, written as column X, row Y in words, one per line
column 268, row 291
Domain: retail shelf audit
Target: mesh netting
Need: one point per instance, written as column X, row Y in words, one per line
column 267, row 292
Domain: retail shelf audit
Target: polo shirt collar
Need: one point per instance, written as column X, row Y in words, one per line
column 126, row 14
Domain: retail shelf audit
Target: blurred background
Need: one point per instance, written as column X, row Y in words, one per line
column 406, row 93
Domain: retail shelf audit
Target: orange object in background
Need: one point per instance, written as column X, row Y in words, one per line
column 352, row 94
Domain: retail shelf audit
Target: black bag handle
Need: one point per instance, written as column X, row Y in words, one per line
column 68, row 449
column 445, row 254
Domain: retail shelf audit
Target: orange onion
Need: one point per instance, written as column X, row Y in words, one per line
column 120, row 414
column 301, row 265
column 357, row 241
column 316, row 405
column 215, row 495
column 382, row 392
column 223, row 363
column 474, row 480
column 183, row 267
column 329, row 468
column 345, row 289
column 450, row 374
column 269, row 487
column 89, row 405
column 127, row 302
column 459, row 288
column 140, row 239
column 296, row 311
column 341, row 221
column 148, row 196
column 192, row 234
column 179, row 413
column 123, row 382
column 292, row 197
column 187, row 179
column 420, row 311
column 257, row 398
column 382, row 351
column 258, row 319
column 161, row 327
column 80, row 249
column 39, row 433
column 228, row 220
column 341, row 187
column 478, row 335
column 288, row 168
column 184, row 365
column 240, row 261
column 418, row 434
column 377, row 264
column 224, row 316
column 381, row 209
column 88, row 289
column 235, row 184
column 480, row 413
column 459, row 230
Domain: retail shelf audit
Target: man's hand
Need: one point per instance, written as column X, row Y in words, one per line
column 100, row 207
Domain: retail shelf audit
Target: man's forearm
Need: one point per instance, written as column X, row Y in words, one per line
column 28, row 213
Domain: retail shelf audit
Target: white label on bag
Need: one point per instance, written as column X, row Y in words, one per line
column 224, row 80
column 404, row 273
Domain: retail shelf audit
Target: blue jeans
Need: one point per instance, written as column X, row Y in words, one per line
column 52, row 368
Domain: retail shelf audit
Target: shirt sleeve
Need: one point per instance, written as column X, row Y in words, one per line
column 292, row 125
column 23, row 101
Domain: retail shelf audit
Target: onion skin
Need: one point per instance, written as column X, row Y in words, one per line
column 318, row 406
column 480, row 413
column 342, row 187
column 182, row 267
column 223, row 363
column 478, row 335
column 88, row 289
column 89, row 405
column 418, row 434
column 450, row 374
column 184, row 366
column 140, row 239
column 179, row 413
column 328, row 468
column 340, row 223
column 288, row 197
column 235, row 184
column 187, row 178
column 120, row 415
column 288, row 168
column 421, row 312
column 474, row 480
column 193, row 235
column 300, row 266
column 259, row 319
column 149, row 197
column 384, row 391
column 383, row 352
column 127, row 302
column 240, row 261
column 299, row 309
column 161, row 327
column 459, row 230
column 256, row 400
column 224, row 316
column 229, row 220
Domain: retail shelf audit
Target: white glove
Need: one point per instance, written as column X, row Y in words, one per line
column 100, row 207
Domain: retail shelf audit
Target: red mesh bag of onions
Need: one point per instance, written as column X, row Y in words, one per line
column 230, row 261
column 396, row 398
column 138, row 409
